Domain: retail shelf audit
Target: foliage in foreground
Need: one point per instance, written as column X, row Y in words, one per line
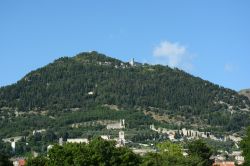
column 97, row 152
column 172, row 154
column 245, row 146
column 4, row 160
column 100, row 152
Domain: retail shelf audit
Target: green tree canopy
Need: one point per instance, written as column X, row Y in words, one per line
column 97, row 152
column 37, row 161
column 245, row 146
column 171, row 154
column 4, row 160
column 199, row 149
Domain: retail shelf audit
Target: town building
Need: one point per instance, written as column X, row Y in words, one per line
column 121, row 139
column 224, row 163
column 105, row 137
column 78, row 140
column 118, row 125
column 18, row 161
column 38, row 131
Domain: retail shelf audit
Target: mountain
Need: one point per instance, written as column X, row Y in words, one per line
column 94, row 88
column 245, row 92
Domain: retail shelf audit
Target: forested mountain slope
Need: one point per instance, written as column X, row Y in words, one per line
column 91, row 79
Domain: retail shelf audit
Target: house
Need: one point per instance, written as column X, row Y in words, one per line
column 234, row 138
column 142, row 151
column 105, row 137
column 38, row 131
column 18, row 162
column 224, row 163
column 238, row 157
column 21, row 162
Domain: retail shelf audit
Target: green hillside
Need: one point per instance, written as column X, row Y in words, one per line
column 88, row 86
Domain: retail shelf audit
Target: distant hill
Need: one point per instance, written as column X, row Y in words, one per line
column 65, row 92
column 245, row 92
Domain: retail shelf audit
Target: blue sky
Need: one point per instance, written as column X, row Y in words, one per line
column 209, row 39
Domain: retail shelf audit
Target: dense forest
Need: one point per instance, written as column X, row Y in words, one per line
column 69, row 89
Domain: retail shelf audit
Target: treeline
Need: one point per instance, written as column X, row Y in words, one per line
column 100, row 152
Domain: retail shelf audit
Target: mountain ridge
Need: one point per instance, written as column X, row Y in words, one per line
column 90, row 79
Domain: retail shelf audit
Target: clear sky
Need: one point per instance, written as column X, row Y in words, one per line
column 208, row 38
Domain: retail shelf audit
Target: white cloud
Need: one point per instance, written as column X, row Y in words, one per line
column 173, row 54
column 229, row 67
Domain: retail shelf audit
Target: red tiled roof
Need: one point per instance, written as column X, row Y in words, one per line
column 224, row 163
column 21, row 162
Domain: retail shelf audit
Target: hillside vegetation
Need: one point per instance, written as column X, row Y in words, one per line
column 65, row 91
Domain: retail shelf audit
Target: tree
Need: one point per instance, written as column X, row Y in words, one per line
column 199, row 149
column 170, row 149
column 105, row 153
column 5, row 148
column 37, row 161
column 97, row 152
column 171, row 154
column 152, row 159
column 245, row 146
column 127, row 157
column 4, row 160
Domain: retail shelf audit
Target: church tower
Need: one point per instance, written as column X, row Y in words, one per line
column 132, row 62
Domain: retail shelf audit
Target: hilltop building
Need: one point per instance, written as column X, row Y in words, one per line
column 133, row 63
